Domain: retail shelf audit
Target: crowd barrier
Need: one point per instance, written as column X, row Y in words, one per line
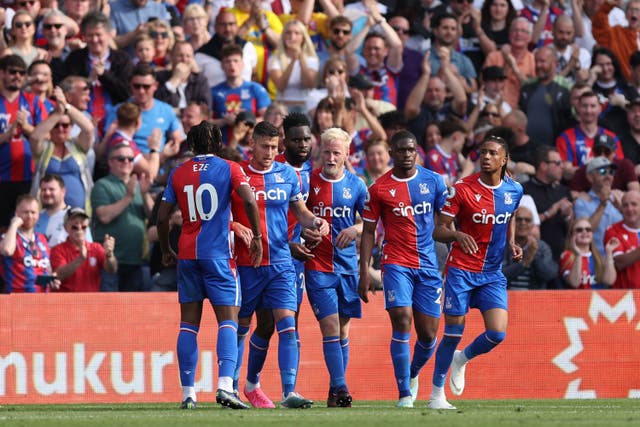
column 116, row 347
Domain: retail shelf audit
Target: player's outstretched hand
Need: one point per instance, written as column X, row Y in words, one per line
column 364, row 287
column 255, row 250
column 466, row 242
column 300, row 252
column 169, row 258
column 516, row 251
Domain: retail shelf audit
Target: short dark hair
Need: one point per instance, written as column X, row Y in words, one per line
column 294, row 120
column 403, row 134
column 393, row 120
column 205, row 138
column 451, row 126
column 435, row 22
column 36, row 63
column 49, row 177
column 12, row 61
column 94, row 19
column 265, row 129
column 340, row 20
column 143, row 70
column 542, row 155
column 230, row 50
column 128, row 114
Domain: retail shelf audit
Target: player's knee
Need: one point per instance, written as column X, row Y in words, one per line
column 495, row 337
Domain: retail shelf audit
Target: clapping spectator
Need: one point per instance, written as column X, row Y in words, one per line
column 78, row 262
column 22, row 32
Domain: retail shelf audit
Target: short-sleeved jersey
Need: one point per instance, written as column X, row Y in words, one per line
column 588, row 270
column 202, row 189
column 119, row 138
column 337, row 201
column 484, row 213
column 273, row 189
column 442, row 163
column 629, row 240
column 304, row 174
column 16, row 162
column 30, row 260
column 249, row 96
column 576, row 147
column 86, row 278
column 385, row 83
column 407, row 208
column 532, row 15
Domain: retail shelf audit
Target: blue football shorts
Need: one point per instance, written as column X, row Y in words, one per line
column 419, row 288
column 331, row 293
column 268, row 287
column 216, row 280
column 466, row 289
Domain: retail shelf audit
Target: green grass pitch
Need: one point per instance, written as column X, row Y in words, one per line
column 470, row 413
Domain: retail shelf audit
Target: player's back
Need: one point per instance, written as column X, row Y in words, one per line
column 484, row 213
column 202, row 189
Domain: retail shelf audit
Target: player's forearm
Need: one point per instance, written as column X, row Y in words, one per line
column 111, row 264
column 164, row 212
column 254, row 216
column 366, row 249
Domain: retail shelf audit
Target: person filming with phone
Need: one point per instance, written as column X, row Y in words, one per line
column 24, row 253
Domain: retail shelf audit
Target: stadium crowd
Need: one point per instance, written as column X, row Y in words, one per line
column 97, row 99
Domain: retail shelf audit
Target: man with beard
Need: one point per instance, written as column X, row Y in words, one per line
column 573, row 61
column 209, row 58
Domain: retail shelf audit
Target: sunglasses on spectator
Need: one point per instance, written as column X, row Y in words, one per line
column 465, row 1
column 24, row 3
column 79, row 227
column 490, row 113
column 602, row 150
column 139, row 86
column 50, row 26
column 338, row 31
column 554, row 162
column 400, row 30
column 14, row 71
column 21, row 24
column 123, row 159
column 161, row 34
column 606, row 171
column 62, row 126
column 334, row 71
column 582, row 230
column 524, row 219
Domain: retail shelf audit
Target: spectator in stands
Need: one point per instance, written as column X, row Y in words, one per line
column 19, row 120
column 492, row 90
column 194, row 22
column 537, row 266
column 632, row 88
column 378, row 159
column 575, row 145
column 573, row 61
column 55, row 29
column 121, row 203
column 625, row 177
column 411, row 60
column 516, row 59
column 552, row 198
column 446, row 157
column 144, row 51
column 332, row 83
column 78, row 262
column 609, row 84
column 294, row 65
column 473, row 41
column 623, row 41
column 22, row 43
column 496, row 17
column 626, row 256
column 24, row 252
column 129, row 19
column 428, row 101
column 208, row 55
column 340, row 42
column 630, row 137
column 41, row 84
column 583, row 15
column 445, row 32
column 541, row 14
column 545, row 102
column 58, row 153
column 235, row 94
column 602, row 205
column 582, row 265
column 382, row 54
column 182, row 82
column 50, row 221
column 109, row 70
column 163, row 41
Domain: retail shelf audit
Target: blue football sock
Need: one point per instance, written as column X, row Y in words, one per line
column 333, row 359
column 227, row 348
column 344, row 344
column 444, row 354
column 422, row 351
column 258, row 348
column 297, row 345
column 287, row 353
column 400, row 356
column 484, row 343
column 187, row 350
column 243, row 331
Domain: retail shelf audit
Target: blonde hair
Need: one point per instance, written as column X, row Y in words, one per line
column 598, row 262
column 333, row 134
column 158, row 23
column 307, row 45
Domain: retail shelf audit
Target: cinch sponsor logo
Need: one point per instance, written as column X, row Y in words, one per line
column 98, row 372
column 273, row 194
column 329, row 211
column 419, row 209
column 484, row 218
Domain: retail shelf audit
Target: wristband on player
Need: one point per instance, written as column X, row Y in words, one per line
column 257, row 236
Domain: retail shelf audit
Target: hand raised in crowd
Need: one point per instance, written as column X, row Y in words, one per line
column 132, row 184
column 109, row 244
column 509, row 59
column 145, row 183
column 97, row 70
column 426, row 64
column 17, row 222
column 22, row 117
column 181, row 72
column 530, row 251
column 170, row 149
column 611, row 245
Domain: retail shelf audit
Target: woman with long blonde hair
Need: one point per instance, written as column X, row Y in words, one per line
column 582, row 266
column 293, row 68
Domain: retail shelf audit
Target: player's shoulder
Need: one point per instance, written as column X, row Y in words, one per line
column 353, row 180
column 425, row 173
column 511, row 183
column 469, row 181
column 382, row 181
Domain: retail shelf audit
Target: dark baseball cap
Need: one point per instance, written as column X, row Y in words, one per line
column 493, row 73
column 246, row 117
column 360, row 81
column 604, row 141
